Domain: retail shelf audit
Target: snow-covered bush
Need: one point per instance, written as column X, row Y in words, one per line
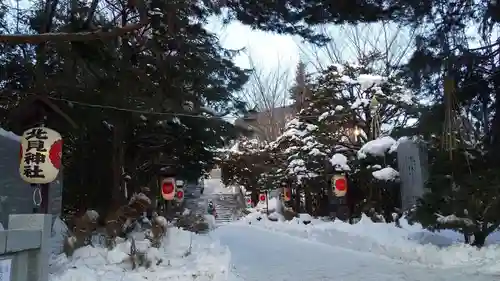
column 243, row 164
column 378, row 178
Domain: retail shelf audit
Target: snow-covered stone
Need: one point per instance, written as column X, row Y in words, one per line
column 386, row 174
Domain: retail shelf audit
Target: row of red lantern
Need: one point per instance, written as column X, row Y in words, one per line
column 172, row 189
column 339, row 186
column 262, row 198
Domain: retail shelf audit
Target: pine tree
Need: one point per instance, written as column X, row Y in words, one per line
column 299, row 91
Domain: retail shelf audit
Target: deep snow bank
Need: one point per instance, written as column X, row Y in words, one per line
column 410, row 243
column 207, row 260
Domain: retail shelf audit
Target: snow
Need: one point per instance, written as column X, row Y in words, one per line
column 59, row 233
column 378, row 147
column 185, row 256
column 369, row 80
column 272, row 204
column 162, row 221
column 9, row 135
column 453, row 219
column 260, row 247
column 362, row 251
column 386, row 174
column 339, row 162
column 92, row 215
column 278, row 255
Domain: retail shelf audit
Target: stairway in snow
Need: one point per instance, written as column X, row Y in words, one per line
column 225, row 201
column 226, row 206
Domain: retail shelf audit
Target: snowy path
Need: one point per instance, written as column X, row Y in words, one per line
column 223, row 198
column 259, row 254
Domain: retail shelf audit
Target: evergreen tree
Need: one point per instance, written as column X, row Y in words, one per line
column 300, row 91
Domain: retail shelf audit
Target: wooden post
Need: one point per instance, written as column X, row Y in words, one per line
column 44, row 205
column 267, row 202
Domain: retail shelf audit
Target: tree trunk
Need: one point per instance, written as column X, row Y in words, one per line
column 467, row 238
column 479, row 239
column 308, row 201
column 297, row 199
column 118, row 197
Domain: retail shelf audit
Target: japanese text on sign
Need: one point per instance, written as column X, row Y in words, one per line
column 41, row 152
column 35, row 153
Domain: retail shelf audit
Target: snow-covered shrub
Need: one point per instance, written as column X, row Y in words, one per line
column 124, row 220
column 377, row 174
column 81, row 234
column 243, row 165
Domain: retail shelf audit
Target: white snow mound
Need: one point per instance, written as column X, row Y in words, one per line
column 207, row 260
column 410, row 244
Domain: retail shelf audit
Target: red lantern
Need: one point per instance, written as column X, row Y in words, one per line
column 287, row 194
column 180, row 194
column 340, row 184
column 168, row 188
column 262, row 197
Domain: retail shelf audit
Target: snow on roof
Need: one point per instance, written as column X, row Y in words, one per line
column 9, row 135
column 386, row 174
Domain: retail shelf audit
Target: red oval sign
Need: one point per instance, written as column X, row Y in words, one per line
column 340, row 184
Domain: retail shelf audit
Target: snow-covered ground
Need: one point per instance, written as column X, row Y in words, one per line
column 266, row 250
column 252, row 249
column 185, row 256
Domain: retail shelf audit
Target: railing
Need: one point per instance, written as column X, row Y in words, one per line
column 25, row 248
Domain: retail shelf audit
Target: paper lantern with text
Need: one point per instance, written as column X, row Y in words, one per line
column 168, row 188
column 40, row 155
column 339, row 184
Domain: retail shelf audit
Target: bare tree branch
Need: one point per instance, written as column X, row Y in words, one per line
column 391, row 44
column 268, row 92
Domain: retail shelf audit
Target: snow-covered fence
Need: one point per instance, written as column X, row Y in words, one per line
column 412, row 164
column 25, row 248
